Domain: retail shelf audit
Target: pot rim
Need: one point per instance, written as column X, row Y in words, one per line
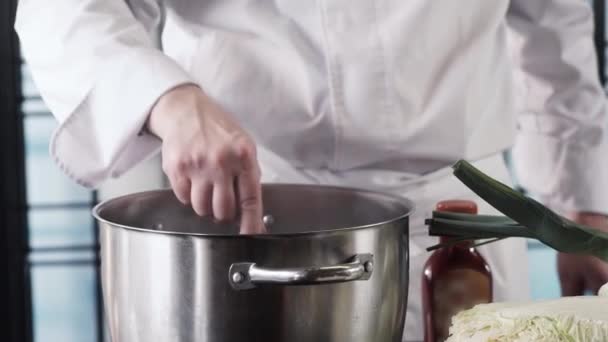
column 406, row 202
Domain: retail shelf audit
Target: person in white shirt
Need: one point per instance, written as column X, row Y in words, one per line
column 381, row 94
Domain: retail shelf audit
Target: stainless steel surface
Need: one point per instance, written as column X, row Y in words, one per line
column 248, row 274
column 237, row 278
column 171, row 282
column 268, row 220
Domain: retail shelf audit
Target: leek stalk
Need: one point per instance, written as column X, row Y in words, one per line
column 524, row 217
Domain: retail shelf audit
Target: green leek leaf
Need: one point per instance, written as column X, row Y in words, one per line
column 540, row 222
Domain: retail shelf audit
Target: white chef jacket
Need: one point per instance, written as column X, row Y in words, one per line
column 333, row 84
column 334, row 87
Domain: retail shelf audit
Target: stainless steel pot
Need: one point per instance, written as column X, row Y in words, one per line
column 332, row 267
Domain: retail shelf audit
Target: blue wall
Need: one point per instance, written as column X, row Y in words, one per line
column 544, row 281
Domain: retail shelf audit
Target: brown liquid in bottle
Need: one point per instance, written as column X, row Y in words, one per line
column 454, row 278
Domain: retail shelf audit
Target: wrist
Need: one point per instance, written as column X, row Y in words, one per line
column 172, row 107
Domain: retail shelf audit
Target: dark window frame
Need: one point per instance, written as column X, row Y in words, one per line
column 599, row 10
column 15, row 293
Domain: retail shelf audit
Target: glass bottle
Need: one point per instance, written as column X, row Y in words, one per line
column 455, row 278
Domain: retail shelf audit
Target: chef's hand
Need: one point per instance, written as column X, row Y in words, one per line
column 579, row 273
column 209, row 159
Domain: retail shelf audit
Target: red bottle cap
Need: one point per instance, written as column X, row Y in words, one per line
column 457, row 206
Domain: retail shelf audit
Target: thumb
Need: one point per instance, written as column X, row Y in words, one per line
column 571, row 280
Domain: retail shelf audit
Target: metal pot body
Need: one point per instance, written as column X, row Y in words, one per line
column 330, row 285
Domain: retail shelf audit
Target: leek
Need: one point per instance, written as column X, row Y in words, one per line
column 524, row 217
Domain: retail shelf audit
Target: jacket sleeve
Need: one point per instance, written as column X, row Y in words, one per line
column 561, row 151
column 99, row 68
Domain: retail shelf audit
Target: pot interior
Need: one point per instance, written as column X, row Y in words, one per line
column 295, row 209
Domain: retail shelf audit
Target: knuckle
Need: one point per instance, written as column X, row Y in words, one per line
column 199, row 160
column 245, row 147
column 250, row 203
column 246, row 154
column 181, row 165
column 177, row 165
column 219, row 157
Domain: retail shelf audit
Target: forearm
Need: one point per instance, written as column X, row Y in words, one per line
column 99, row 70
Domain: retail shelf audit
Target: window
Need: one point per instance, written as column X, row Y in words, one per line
column 63, row 244
column 48, row 238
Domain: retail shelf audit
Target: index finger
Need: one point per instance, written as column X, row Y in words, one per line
column 250, row 201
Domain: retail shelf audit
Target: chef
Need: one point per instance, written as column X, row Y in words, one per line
column 378, row 94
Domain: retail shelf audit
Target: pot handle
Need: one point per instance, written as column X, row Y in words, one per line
column 246, row 275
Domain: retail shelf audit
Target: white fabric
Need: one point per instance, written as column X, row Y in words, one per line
column 340, row 84
column 339, row 91
column 560, row 151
